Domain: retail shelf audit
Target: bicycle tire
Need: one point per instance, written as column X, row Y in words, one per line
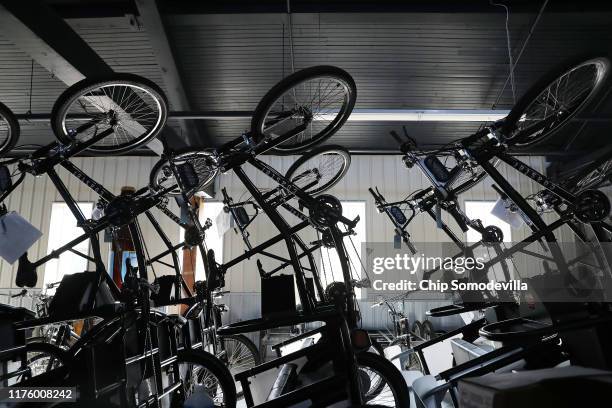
column 81, row 88
column 522, row 138
column 338, row 151
column 428, row 330
column 46, row 349
column 213, row 366
column 593, row 175
column 417, row 329
column 292, row 81
column 250, row 346
column 209, row 174
column 389, row 376
column 12, row 129
column 72, row 339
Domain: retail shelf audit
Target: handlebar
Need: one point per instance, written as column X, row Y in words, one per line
column 20, row 294
column 397, row 137
column 405, row 145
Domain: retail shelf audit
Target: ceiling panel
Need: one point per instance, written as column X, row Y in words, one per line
column 419, row 60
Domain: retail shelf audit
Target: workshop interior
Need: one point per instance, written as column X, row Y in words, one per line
column 292, row 203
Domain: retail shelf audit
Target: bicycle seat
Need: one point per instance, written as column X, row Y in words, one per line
column 189, row 176
column 242, row 218
column 439, row 170
column 14, row 313
column 5, row 179
column 26, row 273
column 216, row 277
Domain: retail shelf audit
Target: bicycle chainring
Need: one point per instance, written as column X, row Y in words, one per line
column 592, row 206
column 492, row 235
column 327, row 211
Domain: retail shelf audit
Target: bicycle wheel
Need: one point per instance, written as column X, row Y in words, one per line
column 428, row 330
column 9, row 129
column 204, row 376
column 320, row 169
column 598, row 174
column 380, row 382
column 553, row 101
column 132, row 109
column 417, row 329
column 68, row 342
column 200, row 162
column 321, row 97
column 43, row 357
column 240, row 353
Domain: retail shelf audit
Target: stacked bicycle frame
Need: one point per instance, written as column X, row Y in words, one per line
column 537, row 329
column 138, row 356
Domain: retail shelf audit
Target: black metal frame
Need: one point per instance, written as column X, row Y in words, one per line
column 114, row 325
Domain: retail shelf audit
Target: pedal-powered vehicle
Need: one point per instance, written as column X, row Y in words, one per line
column 532, row 329
column 132, row 346
column 336, row 368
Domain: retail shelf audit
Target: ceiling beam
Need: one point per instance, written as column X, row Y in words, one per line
column 43, row 35
column 369, row 6
column 151, row 18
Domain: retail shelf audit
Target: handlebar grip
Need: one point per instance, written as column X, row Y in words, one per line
column 397, row 137
column 22, row 293
column 376, row 197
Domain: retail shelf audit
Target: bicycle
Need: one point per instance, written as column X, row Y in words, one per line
column 112, row 116
column 293, row 127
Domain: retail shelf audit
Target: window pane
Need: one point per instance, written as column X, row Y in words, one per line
column 330, row 270
column 62, row 230
column 482, row 210
column 213, row 241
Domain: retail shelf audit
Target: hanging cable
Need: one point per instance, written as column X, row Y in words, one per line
column 144, row 245
column 520, row 54
column 509, row 47
column 29, row 112
column 358, row 257
column 291, row 36
column 330, row 265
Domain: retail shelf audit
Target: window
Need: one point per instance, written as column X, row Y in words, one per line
column 330, row 267
column 482, row 210
column 63, row 229
column 210, row 209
